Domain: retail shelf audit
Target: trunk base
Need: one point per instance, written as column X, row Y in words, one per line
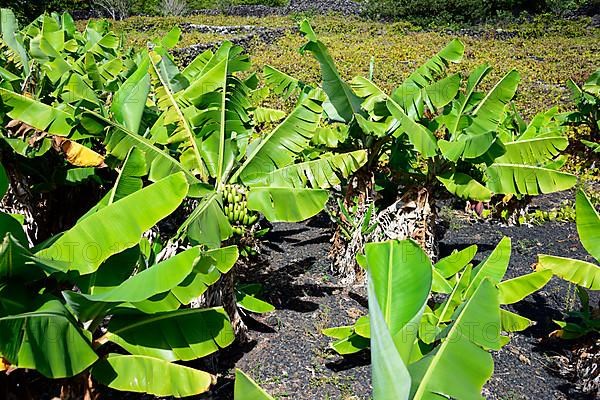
column 360, row 194
column 222, row 294
column 414, row 216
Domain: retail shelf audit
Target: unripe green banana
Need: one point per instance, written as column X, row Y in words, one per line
column 246, row 219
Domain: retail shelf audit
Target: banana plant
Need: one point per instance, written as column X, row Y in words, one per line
column 205, row 127
column 63, row 333
column 455, row 278
column 587, row 100
column 583, row 274
column 49, row 73
column 432, row 132
column 401, row 368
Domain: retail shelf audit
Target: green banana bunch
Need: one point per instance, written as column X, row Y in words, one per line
column 235, row 207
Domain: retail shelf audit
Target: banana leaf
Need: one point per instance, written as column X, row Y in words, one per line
column 177, row 335
column 116, row 227
column 150, row 375
column 47, row 340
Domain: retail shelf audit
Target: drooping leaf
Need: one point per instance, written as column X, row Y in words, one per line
column 78, row 154
column 323, row 173
column 47, row 340
column 464, row 186
column 526, row 179
column 284, row 204
column 156, row 279
column 588, row 225
column 581, row 273
column 37, row 114
column 150, row 375
column 178, row 335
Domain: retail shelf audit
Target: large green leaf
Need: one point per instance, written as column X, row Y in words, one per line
column 207, row 271
column 345, row 103
column 461, row 365
column 116, row 227
column 487, row 115
column 464, row 186
column 456, row 119
column 130, row 100
column 284, row 204
column 143, row 374
column 575, row 271
column 588, row 225
column 178, row 335
column 535, row 151
column 401, row 275
column 493, row 267
column 9, row 29
column 159, row 278
column 422, row 138
column 47, row 340
column 428, row 85
column 246, row 389
column 281, row 146
column 168, row 83
column 280, row 82
column 526, row 179
column 322, row 173
column 512, row 322
column 370, row 93
column 391, row 379
column 516, row 289
column 17, row 262
column 208, row 224
column 119, row 142
column 36, row 114
column 450, row 265
column 9, row 224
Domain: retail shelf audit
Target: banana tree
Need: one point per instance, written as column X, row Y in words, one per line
column 453, row 277
column 114, row 295
column 584, row 274
column 207, row 128
column 412, row 357
column 439, row 134
column 49, row 72
column 587, row 100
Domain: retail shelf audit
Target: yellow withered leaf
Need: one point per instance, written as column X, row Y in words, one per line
column 78, row 154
